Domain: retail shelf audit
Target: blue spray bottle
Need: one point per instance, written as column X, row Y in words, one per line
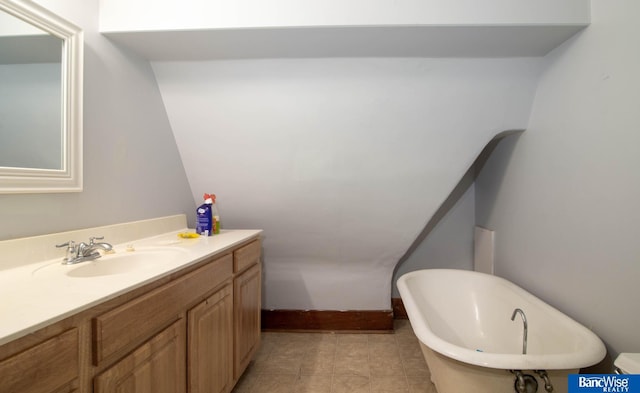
column 204, row 218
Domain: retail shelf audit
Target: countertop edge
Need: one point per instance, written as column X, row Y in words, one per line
column 205, row 251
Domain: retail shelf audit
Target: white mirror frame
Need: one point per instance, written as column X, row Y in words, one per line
column 69, row 178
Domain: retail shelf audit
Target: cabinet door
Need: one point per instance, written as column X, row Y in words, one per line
column 247, row 294
column 158, row 366
column 51, row 366
column 210, row 349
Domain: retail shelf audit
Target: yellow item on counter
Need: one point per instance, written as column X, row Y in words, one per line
column 188, row 235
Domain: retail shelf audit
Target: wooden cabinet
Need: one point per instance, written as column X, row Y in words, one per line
column 51, row 366
column 199, row 348
column 133, row 322
column 191, row 332
column 158, row 366
column 247, row 304
column 210, row 347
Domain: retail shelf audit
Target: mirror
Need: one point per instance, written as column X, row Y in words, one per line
column 40, row 100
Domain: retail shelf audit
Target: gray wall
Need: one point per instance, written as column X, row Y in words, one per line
column 132, row 169
column 449, row 245
column 563, row 197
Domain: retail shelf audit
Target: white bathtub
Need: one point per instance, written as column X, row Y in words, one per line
column 463, row 321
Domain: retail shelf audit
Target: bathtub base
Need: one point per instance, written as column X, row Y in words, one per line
column 452, row 376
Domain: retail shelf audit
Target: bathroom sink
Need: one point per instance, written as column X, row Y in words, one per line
column 121, row 262
column 126, row 262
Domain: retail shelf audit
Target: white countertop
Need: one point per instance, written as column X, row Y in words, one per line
column 39, row 294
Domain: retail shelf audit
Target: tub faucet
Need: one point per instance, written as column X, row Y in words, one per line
column 526, row 328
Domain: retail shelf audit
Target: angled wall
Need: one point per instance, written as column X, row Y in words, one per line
column 341, row 161
column 349, row 126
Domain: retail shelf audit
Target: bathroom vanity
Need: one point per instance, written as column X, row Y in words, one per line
column 192, row 328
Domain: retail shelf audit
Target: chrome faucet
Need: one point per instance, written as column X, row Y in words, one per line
column 526, row 328
column 82, row 251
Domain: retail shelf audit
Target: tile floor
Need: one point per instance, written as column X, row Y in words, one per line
column 338, row 363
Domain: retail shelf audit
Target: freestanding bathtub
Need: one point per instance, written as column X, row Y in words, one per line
column 463, row 321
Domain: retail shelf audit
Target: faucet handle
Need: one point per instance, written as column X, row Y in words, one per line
column 71, row 250
column 71, row 244
column 92, row 238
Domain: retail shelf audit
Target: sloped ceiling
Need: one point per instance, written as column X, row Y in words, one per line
column 205, row 30
column 340, row 161
column 336, row 129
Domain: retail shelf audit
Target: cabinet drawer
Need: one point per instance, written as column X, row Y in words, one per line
column 246, row 256
column 44, row 368
column 137, row 320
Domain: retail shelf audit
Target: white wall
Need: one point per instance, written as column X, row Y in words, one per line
column 341, row 161
column 132, row 169
column 563, row 197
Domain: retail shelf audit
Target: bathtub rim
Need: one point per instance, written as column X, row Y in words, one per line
column 589, row 355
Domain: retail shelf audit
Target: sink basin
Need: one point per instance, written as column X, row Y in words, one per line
column 126, row 262
column 122, row 262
